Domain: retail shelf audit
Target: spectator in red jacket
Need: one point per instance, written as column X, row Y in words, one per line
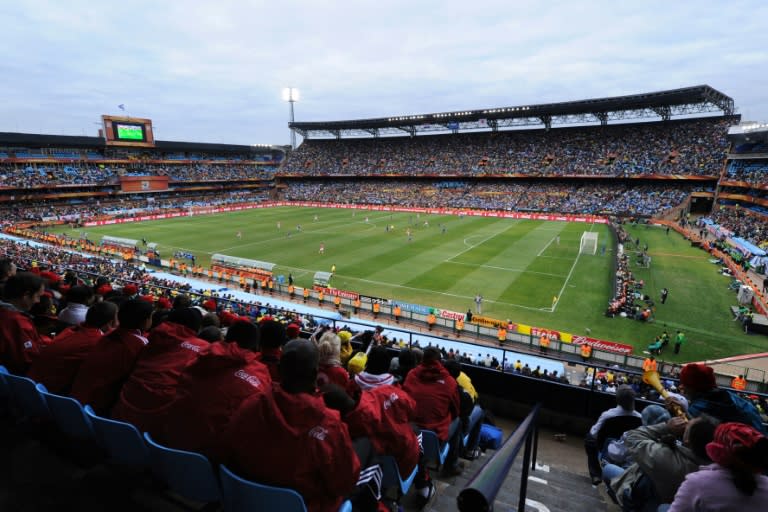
column 151, row 386
column 437, row 409
column 273, row 337
column 288, row 437
column 110, row 362
column 384, row 415
column 20, row 342
column 57, row 365
column 212, row 388
column 331, row 371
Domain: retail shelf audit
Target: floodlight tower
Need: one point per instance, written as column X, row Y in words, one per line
column 291, row 95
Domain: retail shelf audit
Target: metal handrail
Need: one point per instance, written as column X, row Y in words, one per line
column 481, row 491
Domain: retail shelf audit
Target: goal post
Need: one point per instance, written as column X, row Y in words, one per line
column 588, row 243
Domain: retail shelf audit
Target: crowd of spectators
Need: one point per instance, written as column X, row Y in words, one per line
column 743, row 223
column 561, row 197
column 26, row 175
column 157, row 366
column 692, row 147
column 754, row 172
column 123, row 207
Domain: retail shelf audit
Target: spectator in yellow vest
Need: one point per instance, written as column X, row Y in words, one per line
column 586, row 352
column 431, row 320
column 544, row 343
column 739, row 383
column 501, row 334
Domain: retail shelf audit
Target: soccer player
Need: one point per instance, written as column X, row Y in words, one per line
column 322, row 248
column 239, row 235
column 315, row 219
column 333, row 269
column 279, row 225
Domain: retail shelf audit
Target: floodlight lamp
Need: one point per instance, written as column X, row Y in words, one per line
column 290, row 94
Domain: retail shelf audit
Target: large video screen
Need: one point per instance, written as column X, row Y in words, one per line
column 133, row 132
column 127, row 131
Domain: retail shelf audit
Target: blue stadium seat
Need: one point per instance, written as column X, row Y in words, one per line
column 241, row 495
column 5, row 391
column 189, row 474
column 391, row 477
column 68, row 414
column 122, row 441
column 26, row 396
column 433, row 449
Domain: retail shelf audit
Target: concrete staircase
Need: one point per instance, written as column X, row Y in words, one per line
column 549, row 490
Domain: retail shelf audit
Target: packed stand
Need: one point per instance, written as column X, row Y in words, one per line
column 692, row 147
column 125, row 207
column 705, row 446
column 311, row 407
column 754, row 172
column 15, row 175
column 743, row 223
column 582, row 198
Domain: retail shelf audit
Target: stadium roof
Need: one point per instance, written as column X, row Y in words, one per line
column 32, row 140
column 662, row 104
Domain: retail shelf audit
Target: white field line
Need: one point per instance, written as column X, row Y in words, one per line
column 390, row 285
column 521, row 270
column 481, row 242
column 293, row 232
column 545, row 247
column 570, row 273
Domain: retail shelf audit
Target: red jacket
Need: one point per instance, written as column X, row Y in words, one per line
column 209, row 392
column 58, row 363
column 20, row 342
column 333, row 374
column 151, row 386
column 271, row 358
column 436, row 396
column 101, row 376
column 384, row 415
column 293, row 441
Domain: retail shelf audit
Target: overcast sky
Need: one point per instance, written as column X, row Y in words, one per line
column 213, row 71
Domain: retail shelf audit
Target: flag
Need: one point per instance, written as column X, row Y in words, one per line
column 121, row 107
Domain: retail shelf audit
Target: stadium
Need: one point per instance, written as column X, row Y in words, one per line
column 555, row 251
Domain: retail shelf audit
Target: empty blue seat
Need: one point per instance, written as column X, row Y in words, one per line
column 68, row 414
column 26, row 396
column 122, row 441
column 434, row 451
column 241, row 495
column 189, row 474
column 391, row 477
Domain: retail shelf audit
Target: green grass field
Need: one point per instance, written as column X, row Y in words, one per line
column 517, row 265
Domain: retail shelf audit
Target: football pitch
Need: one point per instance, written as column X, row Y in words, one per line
column 518, row 266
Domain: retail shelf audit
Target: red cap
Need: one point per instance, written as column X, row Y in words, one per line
column 210, row 305
column 164, row 303
column 130, row 289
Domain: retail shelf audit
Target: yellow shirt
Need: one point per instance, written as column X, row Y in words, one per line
column 466, row 384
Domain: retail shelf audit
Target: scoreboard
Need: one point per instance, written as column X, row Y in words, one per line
column 128, row 131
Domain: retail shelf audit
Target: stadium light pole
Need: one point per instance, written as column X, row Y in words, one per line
column 291, row 95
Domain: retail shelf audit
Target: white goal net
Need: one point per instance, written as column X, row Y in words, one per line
column 588, row 243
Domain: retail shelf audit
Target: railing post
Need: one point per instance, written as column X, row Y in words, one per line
column 524, row 476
